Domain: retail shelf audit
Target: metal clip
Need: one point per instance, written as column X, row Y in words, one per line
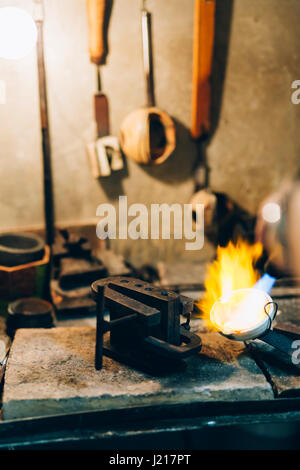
column 275, row 308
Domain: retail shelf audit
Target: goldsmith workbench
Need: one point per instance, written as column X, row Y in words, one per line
column 53, row 396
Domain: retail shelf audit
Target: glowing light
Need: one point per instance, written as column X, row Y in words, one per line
column 244, row 311
column 271, row 212
column 236, row 297
column 265, row 283
column 18, row 33
column 232, row 270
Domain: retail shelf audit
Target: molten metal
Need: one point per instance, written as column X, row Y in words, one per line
column 243, row 311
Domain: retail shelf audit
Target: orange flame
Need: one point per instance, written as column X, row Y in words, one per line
column 233, row 269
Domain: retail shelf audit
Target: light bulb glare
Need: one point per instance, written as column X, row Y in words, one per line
column 18, row 33
column 271, row 212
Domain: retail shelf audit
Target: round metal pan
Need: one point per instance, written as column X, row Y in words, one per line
column 253, row 331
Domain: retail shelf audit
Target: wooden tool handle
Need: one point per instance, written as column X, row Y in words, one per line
column 204, row 25
column 96, row 15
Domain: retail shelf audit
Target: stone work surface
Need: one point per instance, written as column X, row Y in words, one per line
column 52, row 371
column 4, row 339
column 283, row 374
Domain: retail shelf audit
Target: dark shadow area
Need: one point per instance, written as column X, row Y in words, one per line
column 212, row 371
column 265, row 436
column 275, row 362
column 178, row 167
column 223, row 21
column 230, row 223
column 266, row 424
column 108, row 12
column 112, row 185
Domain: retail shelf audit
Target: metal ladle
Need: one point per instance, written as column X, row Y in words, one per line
column 260, row 330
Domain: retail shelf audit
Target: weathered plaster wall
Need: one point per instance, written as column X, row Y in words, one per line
column 254, row 146
column 257, row 142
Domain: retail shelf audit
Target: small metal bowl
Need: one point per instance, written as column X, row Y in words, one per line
column 256, row 330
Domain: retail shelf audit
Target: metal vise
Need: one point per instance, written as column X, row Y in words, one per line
column 144, row 324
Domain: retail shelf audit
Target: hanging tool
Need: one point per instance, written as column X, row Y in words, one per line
column 204, row 24
column 148, row 134
column 46, row 147
column 104, row 154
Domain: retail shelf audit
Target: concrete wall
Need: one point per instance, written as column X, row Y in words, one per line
column 254, row 146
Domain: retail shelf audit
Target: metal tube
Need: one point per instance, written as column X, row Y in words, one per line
column 99, row 85
column 278, row 341
column 99, row 328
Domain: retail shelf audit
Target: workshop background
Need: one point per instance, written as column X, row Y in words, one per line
column 125, row 344
column 254, row 144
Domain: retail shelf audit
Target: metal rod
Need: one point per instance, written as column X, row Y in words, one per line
column 147, row 56
column 99, row 328
column 120, row 321
column 99, row 84
column 46, row 148
column 278, row 341
column 3, row 367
